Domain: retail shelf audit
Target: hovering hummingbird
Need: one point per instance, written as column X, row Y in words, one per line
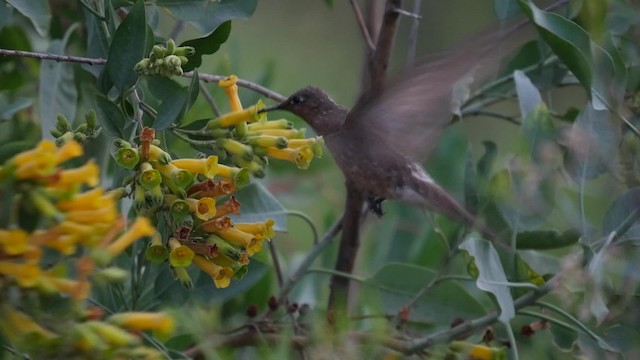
column 375, row 143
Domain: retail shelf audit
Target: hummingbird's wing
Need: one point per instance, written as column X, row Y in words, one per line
column 411, row 112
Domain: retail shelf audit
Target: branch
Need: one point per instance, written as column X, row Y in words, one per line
column 244, row 83
column 54, row 57
column 379, row 62
column 371, row 47
column 337, row 307
column 311, row 257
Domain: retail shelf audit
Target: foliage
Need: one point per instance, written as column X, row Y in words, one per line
column 557, row 183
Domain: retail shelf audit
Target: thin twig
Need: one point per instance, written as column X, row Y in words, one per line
column 412, row 41
column 511, row 119
column 310, row 258
column 54, row 57
column 244, row 83
column 379, row 62
column 210, row 100
column 276, row 262
column 371, row 47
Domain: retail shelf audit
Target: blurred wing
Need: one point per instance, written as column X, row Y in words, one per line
column 411, row 113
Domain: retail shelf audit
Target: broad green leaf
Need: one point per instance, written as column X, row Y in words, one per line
column 258, row 204
column 528, row 95
column 161, row 86
column 6, row 12
column 622, row 217
column 588, row 61
column 37, row 11
column 546, row 239
column 57, row 88
column 110, row 116
column 206, row 45
column 398, row 283
column 208, row 15
column 171, row 109
column 487, row 161
column 491, row 276
column 8, row 108
column 97, row 42
column 7, row 150
column 176, row 104
column 127, row 48
column 592, row 143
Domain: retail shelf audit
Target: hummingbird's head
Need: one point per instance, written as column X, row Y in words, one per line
column 316, row 108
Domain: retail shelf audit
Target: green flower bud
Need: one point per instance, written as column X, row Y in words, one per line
column 149, row 177
column 240, row 272
column 111, row 275
column 172, row 61
column 159, row 52
column 79, row 137
column 142, row 65
column 156, row 252
column 223, row 247
column 65, row 138
column 171, row 47
column 92, row 120
column 234, row 147
column 267, row 141
column 185, row 51
column 64, row 123
column 55, row 133
column 139, row 198
column 183, row 59
column 121, row 143
column 82, row 128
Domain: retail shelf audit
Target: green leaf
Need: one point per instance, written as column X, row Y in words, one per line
column 161, row 86
column 205, row 290
column 127, row 48
column 446, row 301
column 57, row 89
column 208, row 15
column 206, row 45
column 591, row 64
column 176, row 104
column 8, row 150
column 110, row 116
column 171, row 109
column 258, row 204
column 622, row 217
column 546, row 239
column 10, row 108
column 97, row 42
column 491, row 276
column 6, row 13
column 593, row 142
column 37, row 11
column 528, row 95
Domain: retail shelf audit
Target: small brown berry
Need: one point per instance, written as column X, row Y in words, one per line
column 273, row 303
column 252, row 311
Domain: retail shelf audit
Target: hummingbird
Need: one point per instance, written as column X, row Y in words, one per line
column 376, row 142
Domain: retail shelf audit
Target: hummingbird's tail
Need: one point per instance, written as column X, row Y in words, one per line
column 424, row 192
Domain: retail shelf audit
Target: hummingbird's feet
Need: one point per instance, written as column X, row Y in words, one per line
column 375, row 204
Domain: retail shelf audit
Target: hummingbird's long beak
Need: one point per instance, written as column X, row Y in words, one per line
column 271, row 108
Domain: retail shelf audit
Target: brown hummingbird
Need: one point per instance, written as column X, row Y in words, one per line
column 375, row 143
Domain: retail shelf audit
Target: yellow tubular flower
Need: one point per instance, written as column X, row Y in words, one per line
column 104, row 215
column 180, row 256
column 207, row 167
column 231, row 89
column 78, row 289
column 204, row 208
column 287, row 133
column 19, row 327
column 26, row 274
column 141, row 227
column 88, row 174
column 301, row 157
column 159, row 155
column 142, row 321
column 14, row 242
column 64, row 244
column 87, row 200
column 113, row 334
column 181, row 178
column 68, row 151
column 249, row 241
column 44, row 165
column 262, row 229
column 221, row 276
column 250, row 114
column 239, row 176
column 44, row 147
column 271, row 124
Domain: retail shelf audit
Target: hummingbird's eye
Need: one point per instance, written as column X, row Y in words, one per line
column 295, row 100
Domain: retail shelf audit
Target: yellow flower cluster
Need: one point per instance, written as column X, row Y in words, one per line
column 252, row 138
column 53, row 214
column 191, row 190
